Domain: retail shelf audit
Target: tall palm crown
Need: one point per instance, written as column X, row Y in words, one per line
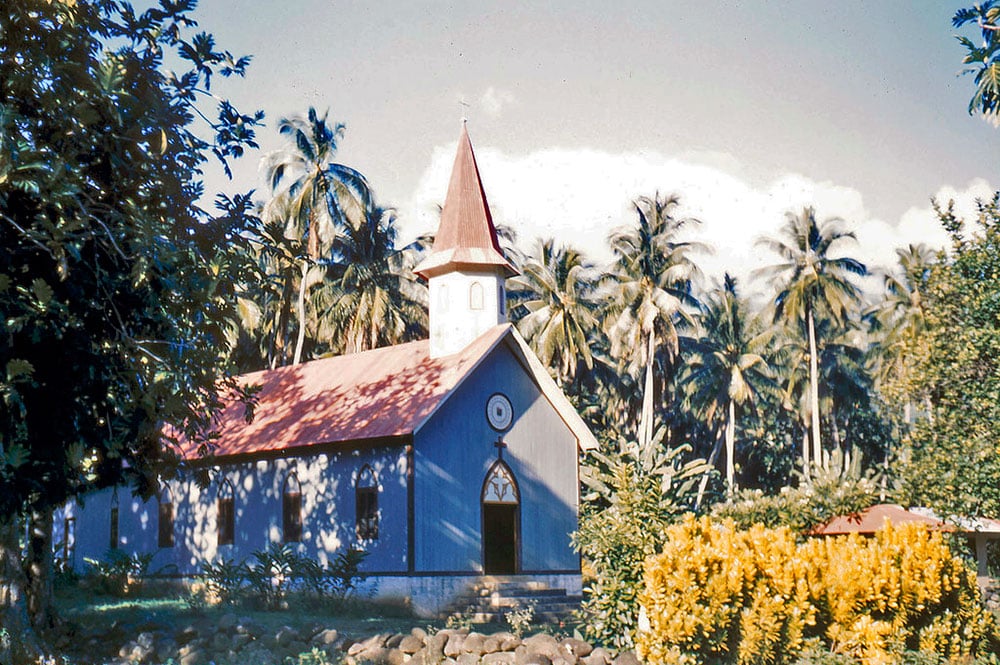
column 556, row 290
column 728, row 367
column 375, row 299
column 322, row 195
column 813, row 283
column 649, row 290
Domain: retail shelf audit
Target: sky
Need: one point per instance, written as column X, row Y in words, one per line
column 745, row 110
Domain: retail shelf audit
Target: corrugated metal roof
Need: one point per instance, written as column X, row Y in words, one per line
column 466, row 236
column 383, row 393
column 870, row 520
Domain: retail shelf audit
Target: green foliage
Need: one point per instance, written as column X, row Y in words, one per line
column 119, row 574
column 983, row 56
column 951, row 462
column 721, row 595
column 841, row 489
column 109, row 272
column 633, row 495
column 315, row 656
column 224, row 580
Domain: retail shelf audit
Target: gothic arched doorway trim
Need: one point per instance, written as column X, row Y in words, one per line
column 500, row 502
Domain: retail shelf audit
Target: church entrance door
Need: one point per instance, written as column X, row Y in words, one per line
column 501, row 503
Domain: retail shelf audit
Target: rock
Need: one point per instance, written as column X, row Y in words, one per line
column 145, row 640
column 544, row 645
column 598, row 656
column 499, row 658
column 473, row 644
column 227, row 622
column 220, row 642
column 491, row 644
column 411, row 644
column 125, row 650
column 453, row 646
column 626, row 658
column 240, row 640
column 434, row 648
column 370, row 644
column 510, row 643
column 419, row 633
column 286, row 635
column 393, row 641
column 524, row 656
column 194, row 657
column 467, row 659
column 326, row 637
column 296, row 647
column 576, row 648
column 559, row 660
column 396, row 657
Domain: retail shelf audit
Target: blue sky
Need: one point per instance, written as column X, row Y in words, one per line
column 576, row 108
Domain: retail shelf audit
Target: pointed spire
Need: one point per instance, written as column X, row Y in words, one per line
column 466, row 236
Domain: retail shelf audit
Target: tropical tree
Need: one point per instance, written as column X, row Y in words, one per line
column 556, row 290
column 115, row 287
column 373, row 298
column 727, row 367
column 649, row 293
column 899, row 319
column 812, row 283
column 983, row 56
column 315, row 196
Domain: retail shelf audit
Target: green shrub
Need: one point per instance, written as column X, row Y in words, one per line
column 633, row 496
column 119, row 574
column 224, row 580
column 721, row 595
column 271, row 572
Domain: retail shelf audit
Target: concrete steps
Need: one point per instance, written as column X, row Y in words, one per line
column 489, row 600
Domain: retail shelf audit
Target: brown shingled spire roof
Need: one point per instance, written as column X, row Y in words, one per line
column 466, row 237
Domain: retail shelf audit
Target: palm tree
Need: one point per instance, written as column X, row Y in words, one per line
column 649, row 288
column 811, row 282
column 317, row 196
column 728, row 367
column 374, row 298
column 556, row 290
column 899, row 319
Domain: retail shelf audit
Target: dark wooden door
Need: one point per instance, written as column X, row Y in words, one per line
column 500, row 538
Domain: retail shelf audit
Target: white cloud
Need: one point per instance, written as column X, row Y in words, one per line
column 494, row 100
column 579, row 196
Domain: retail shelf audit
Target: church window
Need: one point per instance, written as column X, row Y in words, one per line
column 166, row 519
column 366, row 502
column 476, row 296
column 500, row 486
column 501, row 300
column 291, row 510
column 113, row 530
column 443, row 297
column 226, row 517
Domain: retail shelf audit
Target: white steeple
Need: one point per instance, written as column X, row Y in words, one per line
column 466, row 269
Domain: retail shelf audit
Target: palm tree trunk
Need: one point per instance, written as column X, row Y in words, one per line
column 805, row 452
column 731, row 450
column 703, row 483
column 814, row 391
column 302, row 313
column 646, row 419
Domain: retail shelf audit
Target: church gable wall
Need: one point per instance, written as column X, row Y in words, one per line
column 455, row 450
column 328, row 510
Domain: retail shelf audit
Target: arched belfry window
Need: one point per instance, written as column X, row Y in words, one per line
column 226, row 514
column 500, row 486
column 366, row 502
column 476, row 296
column 113, row 541
column 291, row 510
column 165, row 527
column 501, row 299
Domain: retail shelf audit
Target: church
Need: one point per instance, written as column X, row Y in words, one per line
column 445, row 459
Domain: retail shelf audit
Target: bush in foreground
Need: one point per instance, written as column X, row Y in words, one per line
column 721, row 595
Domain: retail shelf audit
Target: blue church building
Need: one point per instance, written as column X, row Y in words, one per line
column 446, row 459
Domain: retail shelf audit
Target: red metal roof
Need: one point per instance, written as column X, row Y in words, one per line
column 466, row 235
column 870, row 520
column 386, row 392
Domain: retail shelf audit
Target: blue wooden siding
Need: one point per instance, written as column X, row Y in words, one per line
column 328, row 513
column 454, row 451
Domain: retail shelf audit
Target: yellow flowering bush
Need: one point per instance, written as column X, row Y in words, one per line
column 721, row 595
